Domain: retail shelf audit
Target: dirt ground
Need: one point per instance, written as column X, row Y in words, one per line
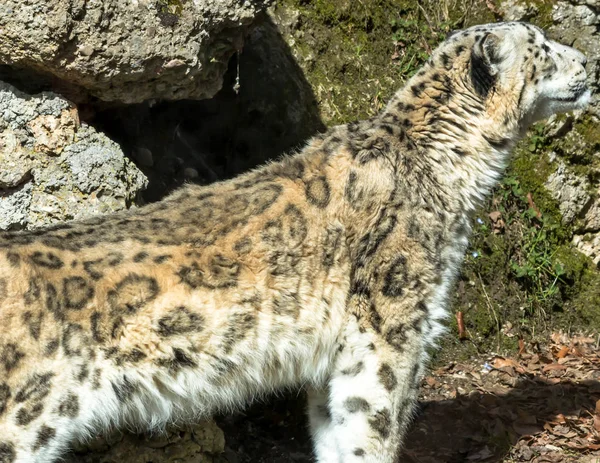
column 543, row 405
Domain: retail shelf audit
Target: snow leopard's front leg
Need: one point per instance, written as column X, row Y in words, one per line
column 371, row 398
column 376, row 372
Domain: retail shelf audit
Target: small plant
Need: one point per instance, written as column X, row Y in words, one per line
column 414, row 39
column 533, row 260
column 174, row 7
column 537, row 139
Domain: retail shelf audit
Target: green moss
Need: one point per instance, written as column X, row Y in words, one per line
column 532, row 169
column 582, row 144
column 480, row 13
column 356, row 55
column 578, row 148
column 174, row 7
column 543, row 16
column 528, row 276
column 587, row 299
column 583, row 288
column 590, row 130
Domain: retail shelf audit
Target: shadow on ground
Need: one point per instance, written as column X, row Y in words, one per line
column 478, row 426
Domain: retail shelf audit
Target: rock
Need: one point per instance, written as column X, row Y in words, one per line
column 53, row 167
column 589, row 244
column 591, row 220
column 128, row 51
column 15, row 161
column 203, row 443
column 93, row 161
column 587, row 239
column 190, row 173
column 284, row 101
column 576, row 23
column 570, row 191
column 143, row 156
column 514, row 10
column 52, row 133
column 14, row 207
column 273, row 111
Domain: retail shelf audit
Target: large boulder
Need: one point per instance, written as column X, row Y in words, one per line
column 54, row 168
column 127, row 51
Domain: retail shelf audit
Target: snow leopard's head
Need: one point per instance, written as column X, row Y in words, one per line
column 517, row 64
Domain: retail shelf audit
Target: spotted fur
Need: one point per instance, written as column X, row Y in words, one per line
column 329, row 269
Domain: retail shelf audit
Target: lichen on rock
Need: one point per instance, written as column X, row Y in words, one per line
column 53, row 167
column 570, row 191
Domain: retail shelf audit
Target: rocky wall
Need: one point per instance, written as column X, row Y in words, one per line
column 127, row 50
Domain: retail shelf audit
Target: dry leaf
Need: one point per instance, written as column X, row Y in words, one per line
column 564, row 350
column 521, row 347
column 482, row 454
column 533, row 206
column 597, row 417
column 504, row 364
column 462, row 332
column 553, row 367
column 577, row 351
column 597, row 423
column 524, row 429
column 432, row 382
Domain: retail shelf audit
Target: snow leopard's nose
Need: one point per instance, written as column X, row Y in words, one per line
column 580, row 58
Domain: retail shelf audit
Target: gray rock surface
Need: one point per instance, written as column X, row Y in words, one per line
column 591, row 220
column 53, row 168
column 14, row 207
column 128, row 50
column 587, row 238
column 570, row 191
column 576, row 23
column 515, row 10
column 589, row 244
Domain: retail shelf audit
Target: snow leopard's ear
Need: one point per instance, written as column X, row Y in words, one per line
column 451, row 34
column 485, row 61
